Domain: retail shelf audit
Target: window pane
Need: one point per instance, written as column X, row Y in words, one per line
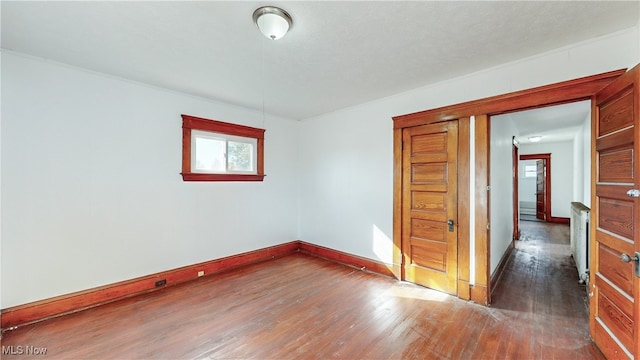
column 530, row 171
column 240, row 156
column 210, row 155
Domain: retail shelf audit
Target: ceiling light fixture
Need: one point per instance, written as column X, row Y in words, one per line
column 272, row 21
column 535, row 138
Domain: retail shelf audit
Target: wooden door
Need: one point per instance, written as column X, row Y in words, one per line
column 515, row 158
column 614, row 321
column 541, row 191
column 429, row 205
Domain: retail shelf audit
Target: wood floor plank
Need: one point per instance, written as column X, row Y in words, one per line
column 303, row 307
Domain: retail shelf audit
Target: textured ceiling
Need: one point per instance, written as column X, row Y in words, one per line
column 337, row 54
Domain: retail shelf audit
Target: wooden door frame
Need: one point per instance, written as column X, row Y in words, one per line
column 543, row 96
column 547, row 182
column 515, row 158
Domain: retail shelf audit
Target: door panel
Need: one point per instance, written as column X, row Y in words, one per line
column 615, row 271
column 618, row 113
column 541, row 207
column 616, row 216
column 424, row 173
column 607, row 344
column 616, row 165
column 612, row 314
column 614, row 305
column 429, row 200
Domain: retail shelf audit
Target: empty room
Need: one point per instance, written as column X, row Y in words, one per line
column 319, row 179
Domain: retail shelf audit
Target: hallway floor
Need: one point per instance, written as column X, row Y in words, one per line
column 540, row 287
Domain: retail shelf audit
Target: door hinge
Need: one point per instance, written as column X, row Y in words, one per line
column 489, row 188
column 488, row 226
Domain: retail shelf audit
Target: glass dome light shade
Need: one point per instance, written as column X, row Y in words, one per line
column 273, row 22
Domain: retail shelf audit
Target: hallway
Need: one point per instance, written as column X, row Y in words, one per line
column 540, row 286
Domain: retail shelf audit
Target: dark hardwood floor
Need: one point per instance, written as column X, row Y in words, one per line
column 304, row 307
column 540, row 288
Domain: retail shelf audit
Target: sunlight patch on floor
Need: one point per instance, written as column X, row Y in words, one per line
column 415, row 292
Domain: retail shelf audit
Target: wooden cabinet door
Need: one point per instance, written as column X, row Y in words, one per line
column 614, row 321
column 429, row 205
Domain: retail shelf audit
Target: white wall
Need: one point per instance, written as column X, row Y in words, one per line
column 526, row 185
column 347, row 176
column 582, row 162
column 578, row 165
column 562, row 172
column 91, row 191
column 347, row 156
column 501, row 193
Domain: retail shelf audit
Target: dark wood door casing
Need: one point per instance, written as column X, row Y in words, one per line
column 541, row 190
column 548, row 95
column 545, row 188
column 515, row 157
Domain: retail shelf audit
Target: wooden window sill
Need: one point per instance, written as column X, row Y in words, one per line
column 221, row 177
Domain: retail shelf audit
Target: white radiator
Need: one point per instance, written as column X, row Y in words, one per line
column 580, row 239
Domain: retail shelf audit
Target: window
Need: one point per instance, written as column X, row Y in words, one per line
column 530, row 171
column 218, row 151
